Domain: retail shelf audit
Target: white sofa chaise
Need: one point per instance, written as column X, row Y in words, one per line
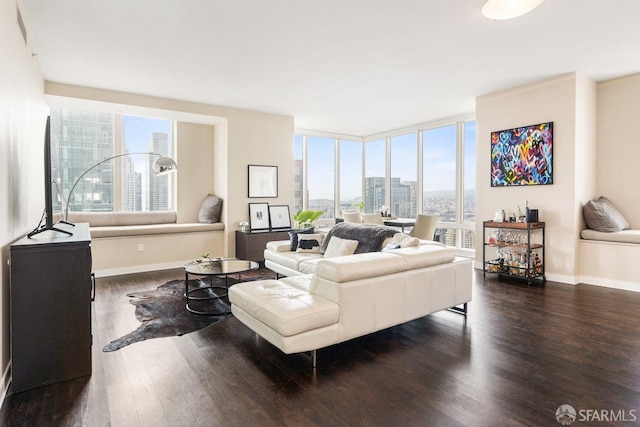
column 350, row 296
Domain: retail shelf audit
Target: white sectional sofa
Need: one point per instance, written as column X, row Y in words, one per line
column 325, row 301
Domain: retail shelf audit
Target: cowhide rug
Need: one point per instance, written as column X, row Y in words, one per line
column 162, row 312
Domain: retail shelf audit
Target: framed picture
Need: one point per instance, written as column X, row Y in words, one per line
column 263, row 181
column 522, row 156
column 279, row 217
column 259, row 216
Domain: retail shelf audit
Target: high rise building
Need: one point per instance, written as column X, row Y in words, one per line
column 79, row 140
column 158, row 194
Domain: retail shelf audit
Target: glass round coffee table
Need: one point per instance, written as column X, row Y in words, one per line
column 213, row 268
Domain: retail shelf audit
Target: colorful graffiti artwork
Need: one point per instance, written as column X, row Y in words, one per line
column 522, row 156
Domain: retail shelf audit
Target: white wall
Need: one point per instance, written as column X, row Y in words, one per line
column 195, row 179
column 568, row 102
column 22, row 119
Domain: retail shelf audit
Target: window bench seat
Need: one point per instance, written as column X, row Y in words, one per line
column 610, row 259
column 126, row 242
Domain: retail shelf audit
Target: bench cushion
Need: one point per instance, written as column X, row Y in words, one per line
column 624, row 236
column 108, row 219
column 153, row 229
column 285, row 309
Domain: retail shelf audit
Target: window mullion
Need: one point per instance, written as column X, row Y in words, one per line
column 118, row 149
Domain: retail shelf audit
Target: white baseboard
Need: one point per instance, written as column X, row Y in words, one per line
column 587, row 280
column 610, row 283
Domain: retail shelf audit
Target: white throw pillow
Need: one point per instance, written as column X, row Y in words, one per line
column 309, row 243
column 405, row 241
column 340, row 247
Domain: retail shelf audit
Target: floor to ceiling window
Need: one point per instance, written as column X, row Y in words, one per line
column 321, row 173
column 350, row 177
column 430, row 169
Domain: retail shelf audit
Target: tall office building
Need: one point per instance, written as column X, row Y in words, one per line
column 158, row 189
column 79, row 140
column 374, row 193
column 131, row 187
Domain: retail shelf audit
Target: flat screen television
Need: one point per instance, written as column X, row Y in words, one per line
column 47, row 216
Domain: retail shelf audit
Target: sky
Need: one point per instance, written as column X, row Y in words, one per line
column 137, row 136
column 439, row 161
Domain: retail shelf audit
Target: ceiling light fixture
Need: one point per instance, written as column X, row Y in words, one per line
column 508, row 9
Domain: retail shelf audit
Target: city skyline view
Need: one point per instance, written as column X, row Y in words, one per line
column 81, row 140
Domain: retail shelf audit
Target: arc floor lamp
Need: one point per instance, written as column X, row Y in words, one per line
column 162, row 166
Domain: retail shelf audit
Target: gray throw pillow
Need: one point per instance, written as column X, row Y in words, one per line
column 615, row 212
column 210, row 210
column 603, row 216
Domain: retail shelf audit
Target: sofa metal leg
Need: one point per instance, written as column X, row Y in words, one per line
column 460, row 310
column 313, row 359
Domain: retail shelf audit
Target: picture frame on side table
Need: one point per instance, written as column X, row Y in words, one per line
column 280, row 217
column 263, row 181
column 258, row 216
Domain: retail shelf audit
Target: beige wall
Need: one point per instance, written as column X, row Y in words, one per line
column 22, row 119
column 240, row 138
column 619, row 144
column 195, row 180
column 568, row 102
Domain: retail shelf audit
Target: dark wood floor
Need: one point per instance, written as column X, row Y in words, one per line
column 520, row 354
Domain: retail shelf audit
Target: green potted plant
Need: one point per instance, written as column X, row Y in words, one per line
column 305, row 219
column 360, row 206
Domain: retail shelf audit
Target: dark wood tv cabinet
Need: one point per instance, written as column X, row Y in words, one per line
column 50, row 297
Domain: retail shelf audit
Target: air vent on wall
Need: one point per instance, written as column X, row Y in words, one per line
column 23, row 29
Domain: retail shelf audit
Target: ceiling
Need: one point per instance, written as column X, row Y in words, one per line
column 355, row 67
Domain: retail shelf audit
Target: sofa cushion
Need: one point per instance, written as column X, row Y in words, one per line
column 340, row 247
column 288, row 259
column 309, row 243
column 285, row 309
column 369, row 236
column 210, row 209
column 360, row 266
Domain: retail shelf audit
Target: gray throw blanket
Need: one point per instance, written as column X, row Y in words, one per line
column 370, row 236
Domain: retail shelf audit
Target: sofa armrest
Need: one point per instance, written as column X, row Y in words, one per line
column 279, row 246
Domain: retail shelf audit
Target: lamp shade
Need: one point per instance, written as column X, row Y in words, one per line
column 508, row 9
column 164, row 165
